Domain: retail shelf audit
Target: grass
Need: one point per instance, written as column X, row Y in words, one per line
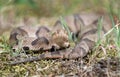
column 99, row 31
column 4, row 44
column 104, row 56
column 65, row 27
column 72, row 39
column 60, row 67
column 115, row 24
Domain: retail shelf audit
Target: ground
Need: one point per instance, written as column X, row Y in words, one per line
column 102, row 62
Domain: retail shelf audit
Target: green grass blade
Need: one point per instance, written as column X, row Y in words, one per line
column 64, row 25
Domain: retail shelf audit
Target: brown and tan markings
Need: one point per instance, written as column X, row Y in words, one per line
column 38, row 38
column 84, row 26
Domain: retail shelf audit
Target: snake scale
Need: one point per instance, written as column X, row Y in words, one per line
column 84, row 26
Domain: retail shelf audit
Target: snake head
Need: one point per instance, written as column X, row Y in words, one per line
column 60, row 38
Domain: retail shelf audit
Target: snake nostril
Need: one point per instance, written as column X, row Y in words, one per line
column 25, row 48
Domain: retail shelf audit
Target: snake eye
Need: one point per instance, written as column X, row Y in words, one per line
column 25, row 48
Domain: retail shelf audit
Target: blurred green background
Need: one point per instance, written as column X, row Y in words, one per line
column 57, row 7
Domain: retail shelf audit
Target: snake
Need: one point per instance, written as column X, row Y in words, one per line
column 83, row 26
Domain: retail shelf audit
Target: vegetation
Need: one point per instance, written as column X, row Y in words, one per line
column 104, row 56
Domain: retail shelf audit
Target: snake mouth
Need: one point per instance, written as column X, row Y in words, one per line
column 66, row 44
